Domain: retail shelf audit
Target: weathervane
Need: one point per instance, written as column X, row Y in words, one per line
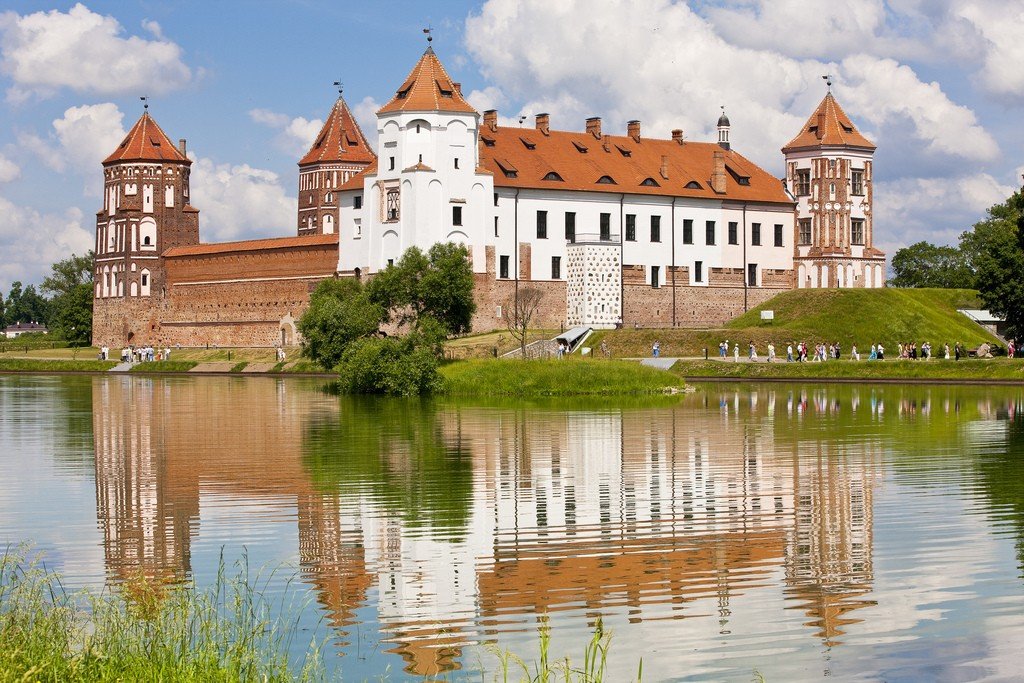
column 828, row 81
column 340, row 86
column 521, row 119
column 145, row 101
column 430, row 38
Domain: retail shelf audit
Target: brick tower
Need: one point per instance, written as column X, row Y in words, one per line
column 339, row 152
column 145, row 213
column 829, row 170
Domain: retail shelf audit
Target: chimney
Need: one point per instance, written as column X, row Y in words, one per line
column 718, row 173
column 677, row 135
column 182, row 146
column 543, row 123
column 820, row 132
column 458, row 88
column 491, row 119
column 664, row 166
column 594, row 126
column 633, row 130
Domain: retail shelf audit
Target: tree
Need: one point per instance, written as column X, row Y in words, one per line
column 996, row 250
column 340, row 312
column 436, row 285
column 25, row 305
column 518, row 312
column 70, row 288
column 927, row 265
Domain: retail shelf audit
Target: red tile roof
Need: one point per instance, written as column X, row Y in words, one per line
column 355, row 181
column 428, row 88
column 146, row 142
column 828, row 126
column 340, row 140
column 253, row 245
column 563, row 160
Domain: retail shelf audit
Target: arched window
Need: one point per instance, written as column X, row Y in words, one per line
column 144, row 282
column 147, row 234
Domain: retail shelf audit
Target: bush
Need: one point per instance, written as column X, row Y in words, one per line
column 394, row 366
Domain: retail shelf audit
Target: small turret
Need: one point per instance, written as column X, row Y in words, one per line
column 723, row 130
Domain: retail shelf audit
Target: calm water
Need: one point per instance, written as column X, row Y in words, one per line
column 803, row 532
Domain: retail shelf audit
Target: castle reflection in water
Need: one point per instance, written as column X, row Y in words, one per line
column 453, row 521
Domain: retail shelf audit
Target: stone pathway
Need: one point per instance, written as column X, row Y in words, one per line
column 258, row 367
column 214, row 367
column 660, row 363
column 122, row 367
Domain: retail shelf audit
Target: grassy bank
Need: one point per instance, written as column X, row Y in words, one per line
column 999, row 369
column 42, row 365
column 848, row 316
column 159, row 366
column 567, row 377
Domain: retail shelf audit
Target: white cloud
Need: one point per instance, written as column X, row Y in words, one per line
column 89, row 133
column 38, row 240
column 86, row 52
column 8, row 170
column 671, row 68
column 240, row 202
column 935, row 210
column 1001, row 24
column 365, row 113
column 296, row 134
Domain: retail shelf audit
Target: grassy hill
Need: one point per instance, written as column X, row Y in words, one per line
column 864, row 316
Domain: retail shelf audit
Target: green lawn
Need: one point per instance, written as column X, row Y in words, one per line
column 567, row 377
column 46, row 365
column 861, row 316
column 998, row 369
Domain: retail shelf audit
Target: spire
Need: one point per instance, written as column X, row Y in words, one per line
column 428, row 88
column 146, row 142
column 828, row 126
column 340, row 139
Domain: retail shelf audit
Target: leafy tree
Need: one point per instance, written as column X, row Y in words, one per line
column 927, row 265
column 996, row 250
column 438, row 285
column 25, row 305
column 340, row 312
column 396, row 366
column 69, row 286
column 518, row 312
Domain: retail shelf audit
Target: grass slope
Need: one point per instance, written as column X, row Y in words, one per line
column 46, row 365
column 568, row 377
column 999, row 369
column 861, row 316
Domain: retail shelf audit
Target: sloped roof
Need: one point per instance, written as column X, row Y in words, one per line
column 828, row 126
column 340, row 140
column 579, row 161
column 428, row 88
column 146, row 141
column 253, row 245
column 355, row 181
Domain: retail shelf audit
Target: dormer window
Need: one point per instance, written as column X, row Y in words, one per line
column 488, row 142
column 606, row 180
column 650, row 182
column 623, row 151
column 444, row 87
column 580, row 147
column 528, row 144
column 507, row 168
column 553, row 176
column 737, row 176
column 693, row 185
column 403, row 92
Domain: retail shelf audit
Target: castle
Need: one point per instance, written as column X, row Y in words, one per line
column 611, row 229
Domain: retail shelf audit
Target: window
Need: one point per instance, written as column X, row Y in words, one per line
column 631, row 227
column 570, row 226
column 857, row 182
column 687, row 231
column 778, row 234
column 553, row 176
column 755, row 234
column 456, row 162
column 495, row 226
column 503, row 268
column 655, row 276
column 709, row 232
column 606, row 180
column 556, row 267
column 392, row 205
column 803, row 182
column 542, row 225
column 357, row 201
column 606, row 226
column 805, row 231
column 733, row 238
column 456, row 215
column 495, row 198
column 857, row 231
column 655, row 228
column 698, row 271
column 391, row 163
column 752, row 275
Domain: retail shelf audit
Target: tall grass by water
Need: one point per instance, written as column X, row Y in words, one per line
column 146, row 630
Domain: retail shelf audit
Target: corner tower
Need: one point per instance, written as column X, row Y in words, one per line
column 426, row 186
column 339, row 152
column 146, row 211
column 829, row 170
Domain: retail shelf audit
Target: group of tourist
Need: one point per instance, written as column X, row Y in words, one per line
column 801, row 352
column 142, row 354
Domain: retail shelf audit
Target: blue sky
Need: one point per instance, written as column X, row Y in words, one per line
column 937, row 84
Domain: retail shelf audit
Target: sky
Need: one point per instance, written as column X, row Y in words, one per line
column 938, row 85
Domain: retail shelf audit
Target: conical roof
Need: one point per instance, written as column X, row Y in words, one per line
column 146, row 141
column 828, row 126
column 340, row 140
column 428, row 88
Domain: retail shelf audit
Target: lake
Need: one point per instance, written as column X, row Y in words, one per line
column 796, row 531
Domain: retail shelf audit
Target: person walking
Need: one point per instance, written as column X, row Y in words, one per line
column 771, row 352
column 656, row 349
column 789, row 353
column 853, row 352
column 881, row 352
column 736, row 352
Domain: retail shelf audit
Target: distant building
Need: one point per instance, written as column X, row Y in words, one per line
column 611, row 229
column 17, row 329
